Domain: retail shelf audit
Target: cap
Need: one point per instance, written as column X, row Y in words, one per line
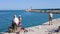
column 19, row 15
column 14, row 15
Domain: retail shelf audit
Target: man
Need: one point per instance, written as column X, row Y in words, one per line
column 15, row 22
column 20, row 20
column 50, row 18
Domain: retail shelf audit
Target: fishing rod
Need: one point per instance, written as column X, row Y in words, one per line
column 6, row 19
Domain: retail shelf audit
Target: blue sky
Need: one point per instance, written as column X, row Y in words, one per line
column 24, row 4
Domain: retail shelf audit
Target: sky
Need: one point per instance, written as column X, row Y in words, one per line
column 24, row 4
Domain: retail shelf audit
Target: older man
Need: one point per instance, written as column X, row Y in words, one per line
column 15, row 22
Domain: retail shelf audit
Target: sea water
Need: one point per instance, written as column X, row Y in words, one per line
column 28, row 18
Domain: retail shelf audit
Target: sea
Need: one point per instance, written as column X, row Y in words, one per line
column 29, row 19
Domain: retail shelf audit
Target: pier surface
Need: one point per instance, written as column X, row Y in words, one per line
column 42, row 29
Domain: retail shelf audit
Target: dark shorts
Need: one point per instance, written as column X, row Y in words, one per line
column 50, row 18
column 14, row 26
column 56, row 30
column 19, row 24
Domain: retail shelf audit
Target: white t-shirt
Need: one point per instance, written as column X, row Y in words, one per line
column 16, row 20
column 51, row 15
